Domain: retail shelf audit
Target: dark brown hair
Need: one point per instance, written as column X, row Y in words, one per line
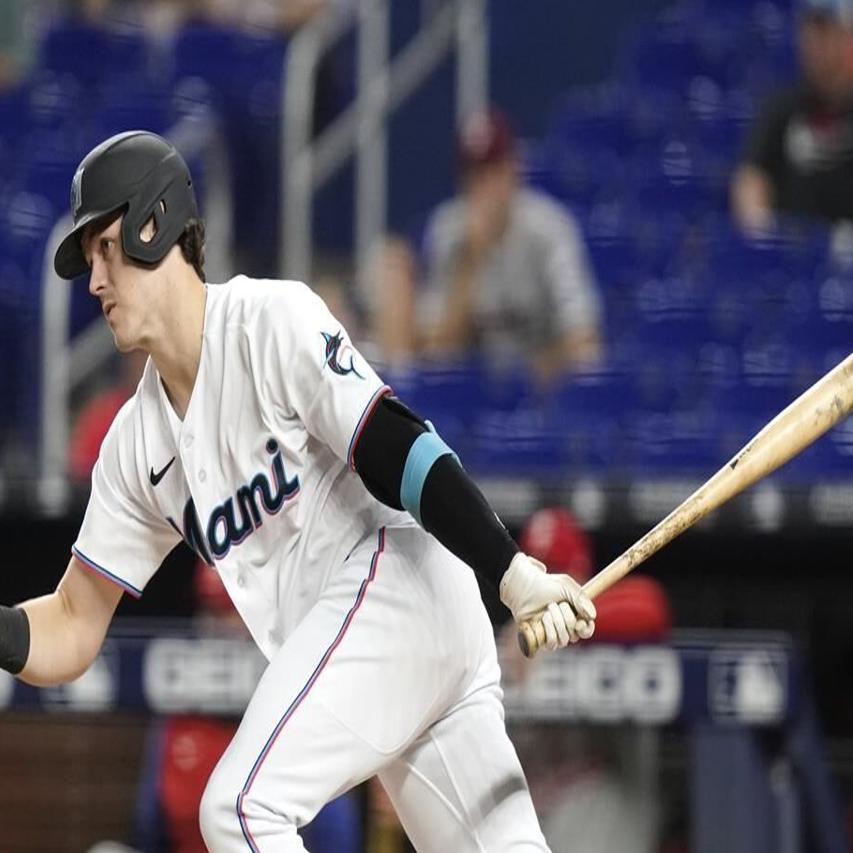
column 191, row 242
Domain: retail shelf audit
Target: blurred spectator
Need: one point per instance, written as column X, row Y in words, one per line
column 164, row 16
column 280, row 15
column 16, row 43
column 799, row 157
column 95, row 417
column 284, row 15
column 183, row 749
column 635, row 610
column 330, row 281
column 579, row 776
column 505, row 271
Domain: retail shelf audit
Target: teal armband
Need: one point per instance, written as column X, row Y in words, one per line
column 425, row 450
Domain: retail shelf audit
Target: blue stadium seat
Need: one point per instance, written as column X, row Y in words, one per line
column 833, row 320
column 591, row 409
column 525, row 441
column 133, row 104
column 245, row 67
column 448, row 394
column 244, row 72
column 672, row 311
column 672, row 444
column 93, row 53
column 26, row 219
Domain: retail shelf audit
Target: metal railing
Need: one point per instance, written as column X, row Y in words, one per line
column 66, row 363
column 360, row 131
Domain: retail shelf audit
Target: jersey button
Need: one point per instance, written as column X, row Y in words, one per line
column 188, row 441
column 202, row 476
column 241, row 581
column 274, row 637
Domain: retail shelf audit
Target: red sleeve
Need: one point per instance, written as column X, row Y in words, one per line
column 89, row 431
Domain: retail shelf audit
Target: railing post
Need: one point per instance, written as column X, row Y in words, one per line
column 53, row 489
column 372, row 143
column 472, row 51
column 297, row 161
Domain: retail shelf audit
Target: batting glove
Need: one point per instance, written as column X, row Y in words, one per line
column 557, row 601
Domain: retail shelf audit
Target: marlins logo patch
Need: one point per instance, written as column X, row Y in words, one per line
column 77, row 192
column 336, row 354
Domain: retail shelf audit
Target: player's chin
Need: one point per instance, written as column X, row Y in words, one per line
column 122, row 342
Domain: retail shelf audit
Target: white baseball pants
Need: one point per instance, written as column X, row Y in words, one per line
column 392, row 672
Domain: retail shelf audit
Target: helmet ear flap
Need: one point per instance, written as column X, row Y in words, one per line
column 164, row 204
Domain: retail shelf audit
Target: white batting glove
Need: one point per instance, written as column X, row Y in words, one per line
column 557, row 601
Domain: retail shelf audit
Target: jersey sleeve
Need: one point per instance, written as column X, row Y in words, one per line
column 121, row 537
column 313, row 368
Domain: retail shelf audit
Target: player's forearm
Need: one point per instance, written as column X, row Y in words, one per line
column 59, row 650
column 454, row 510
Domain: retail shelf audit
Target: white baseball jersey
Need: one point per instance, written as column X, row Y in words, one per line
column 258, row 477
column 340, row 592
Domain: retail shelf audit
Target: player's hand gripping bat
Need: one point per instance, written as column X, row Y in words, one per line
column 815, row 411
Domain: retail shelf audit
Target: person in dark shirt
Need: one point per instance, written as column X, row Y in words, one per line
column 799, row 156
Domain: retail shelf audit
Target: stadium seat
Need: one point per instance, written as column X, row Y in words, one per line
column 92, row 53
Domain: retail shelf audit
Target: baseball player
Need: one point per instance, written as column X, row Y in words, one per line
column 261, row 437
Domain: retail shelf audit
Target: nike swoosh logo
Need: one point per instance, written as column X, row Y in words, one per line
column 155, row 478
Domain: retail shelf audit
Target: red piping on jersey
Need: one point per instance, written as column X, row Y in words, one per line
column 362, row 421
column 106, row 573
column 304, row 692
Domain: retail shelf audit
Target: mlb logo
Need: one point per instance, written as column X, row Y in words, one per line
column 77, row 192
column 748, row 686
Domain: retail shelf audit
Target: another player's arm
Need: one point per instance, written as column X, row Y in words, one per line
column 455, row 326
column 575, row 303
column 752, row 188
column 407, row 466
column 576, row 348
column 55, row 638
column 752, row 198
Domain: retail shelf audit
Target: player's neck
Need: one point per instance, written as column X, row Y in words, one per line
column 176, row 350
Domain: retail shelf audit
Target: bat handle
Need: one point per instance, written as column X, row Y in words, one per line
column 531, row 636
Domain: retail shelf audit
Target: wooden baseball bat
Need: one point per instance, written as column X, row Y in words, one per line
column 815, row 411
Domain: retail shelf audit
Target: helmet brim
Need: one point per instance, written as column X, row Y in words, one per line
column 69, row 261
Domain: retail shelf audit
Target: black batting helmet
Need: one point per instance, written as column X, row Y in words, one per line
column 131, row 172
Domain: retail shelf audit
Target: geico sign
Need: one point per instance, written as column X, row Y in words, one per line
column 200, row 675
column 602, row 684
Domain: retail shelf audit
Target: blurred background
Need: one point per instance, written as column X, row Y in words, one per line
column 599, row 245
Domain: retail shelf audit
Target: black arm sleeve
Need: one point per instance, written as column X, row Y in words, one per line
column 452, row 507
column 454, row 510
column 14, row 639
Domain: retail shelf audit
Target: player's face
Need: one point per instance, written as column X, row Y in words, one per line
column 118, row 283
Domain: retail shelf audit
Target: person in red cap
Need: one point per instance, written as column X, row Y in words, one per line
column 570, row 767
column 505, row 268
